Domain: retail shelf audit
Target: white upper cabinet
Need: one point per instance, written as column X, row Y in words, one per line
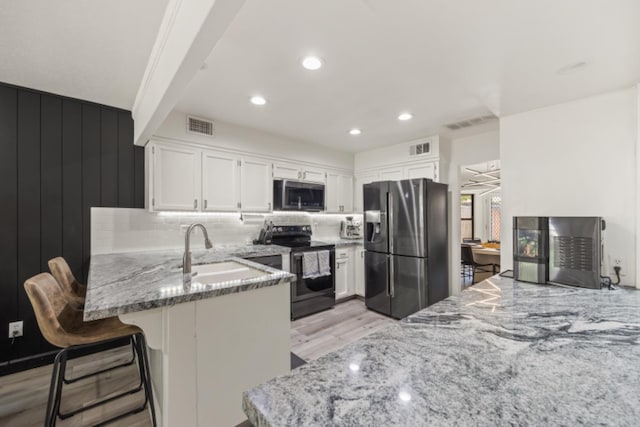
column 391, row 174
column 257, row 186
column 424, row 170
column 176, row 178
column 298, row 173
column 220, row 182
column 360, row 181
column 339, row 192
column 286, row 171
column 313, row 175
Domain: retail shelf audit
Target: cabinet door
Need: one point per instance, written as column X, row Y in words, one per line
column 256, row 185
column 394, row 174
column 426, row 170
column 332, row 193
column 342, row 278
column 286, row 171
column 359, row 271
column 176, row 178
column 360, row 181
column 220, row 189
column 313, row 175
column 346, row 193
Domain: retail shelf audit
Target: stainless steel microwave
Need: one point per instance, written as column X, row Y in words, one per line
column 297, row 196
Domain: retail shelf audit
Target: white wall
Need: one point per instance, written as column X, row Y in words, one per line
column 469, row 150
column 254, row 142
column 576, row 158
column 394, row 154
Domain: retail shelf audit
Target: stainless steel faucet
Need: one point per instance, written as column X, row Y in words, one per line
column 186, row 259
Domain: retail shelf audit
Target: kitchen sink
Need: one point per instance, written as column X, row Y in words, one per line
column 223, row 272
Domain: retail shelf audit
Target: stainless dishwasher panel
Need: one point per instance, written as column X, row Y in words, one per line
column 575, row 251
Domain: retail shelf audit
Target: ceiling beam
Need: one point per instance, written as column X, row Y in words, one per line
column 188, row 33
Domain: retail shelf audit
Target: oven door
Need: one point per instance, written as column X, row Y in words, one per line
column 302, row 289
column 298, row 196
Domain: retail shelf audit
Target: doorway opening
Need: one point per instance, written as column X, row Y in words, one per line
column 480, row 219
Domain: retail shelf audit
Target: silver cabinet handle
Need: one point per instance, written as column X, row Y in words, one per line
column 390, row 222
column 304, row 175
column 269, row 206
column 362, row 254
column 205, row 203
column 195, row 204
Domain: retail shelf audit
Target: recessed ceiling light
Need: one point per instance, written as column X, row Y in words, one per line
column 405, row 116
column 312, row 63
column 258, row 100
column 355, row 131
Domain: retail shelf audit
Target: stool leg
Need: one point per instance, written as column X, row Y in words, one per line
column 55, row 373
column 142, row 342
column 62, row 366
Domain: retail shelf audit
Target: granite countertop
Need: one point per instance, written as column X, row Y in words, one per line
column 128, row 282
column 500, row 353
column 344, row 243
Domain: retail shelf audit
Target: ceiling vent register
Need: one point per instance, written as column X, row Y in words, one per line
column 471, row 122
column 199, row 126
column 420, row 149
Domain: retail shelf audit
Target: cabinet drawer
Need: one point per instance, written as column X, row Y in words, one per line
column 342, row 253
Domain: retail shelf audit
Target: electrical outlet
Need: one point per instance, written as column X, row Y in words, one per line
column 15, row 329
column 618, row 262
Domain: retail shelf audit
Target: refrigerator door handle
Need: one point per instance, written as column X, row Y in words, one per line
column 390, row 222
column 392, row 278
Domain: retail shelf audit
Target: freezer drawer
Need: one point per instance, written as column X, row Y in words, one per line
column 408, row 285
column 376, row 278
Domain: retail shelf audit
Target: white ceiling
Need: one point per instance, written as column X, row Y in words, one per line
column 95, row 50
column 443, row 60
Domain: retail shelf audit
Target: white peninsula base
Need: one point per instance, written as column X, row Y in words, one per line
column 205, row 353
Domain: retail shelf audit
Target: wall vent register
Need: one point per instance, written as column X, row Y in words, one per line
column 420, row 149
column 199, row 126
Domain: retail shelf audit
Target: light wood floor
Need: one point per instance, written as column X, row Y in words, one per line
column 23, row 396
column 321, row 333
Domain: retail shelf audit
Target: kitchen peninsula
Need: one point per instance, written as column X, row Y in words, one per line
column 209, row 341
column 501, row 353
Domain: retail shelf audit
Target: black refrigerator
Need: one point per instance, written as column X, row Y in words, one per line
column 406, row 242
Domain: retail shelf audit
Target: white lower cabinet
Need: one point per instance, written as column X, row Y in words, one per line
column 344, row 273
column 359, row 271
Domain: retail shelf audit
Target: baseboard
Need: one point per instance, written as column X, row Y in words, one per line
column 349, row 298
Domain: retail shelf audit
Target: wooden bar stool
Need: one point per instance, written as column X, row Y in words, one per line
column 61, row 325
column 75, row 294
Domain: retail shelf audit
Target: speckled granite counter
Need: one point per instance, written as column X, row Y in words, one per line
column 128, row 282
column 344, row 243
column 501, row 353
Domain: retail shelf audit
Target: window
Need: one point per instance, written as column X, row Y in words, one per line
column 466, row 216
column 495, row 218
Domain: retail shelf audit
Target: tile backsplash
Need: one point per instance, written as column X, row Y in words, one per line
column 129, row 230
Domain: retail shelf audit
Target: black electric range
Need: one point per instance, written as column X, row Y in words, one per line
column 308, row 295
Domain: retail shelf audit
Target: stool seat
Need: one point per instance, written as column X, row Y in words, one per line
column 61, row 324
column 74, row 292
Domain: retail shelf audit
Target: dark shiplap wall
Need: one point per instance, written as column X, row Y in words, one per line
column 58, row 158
